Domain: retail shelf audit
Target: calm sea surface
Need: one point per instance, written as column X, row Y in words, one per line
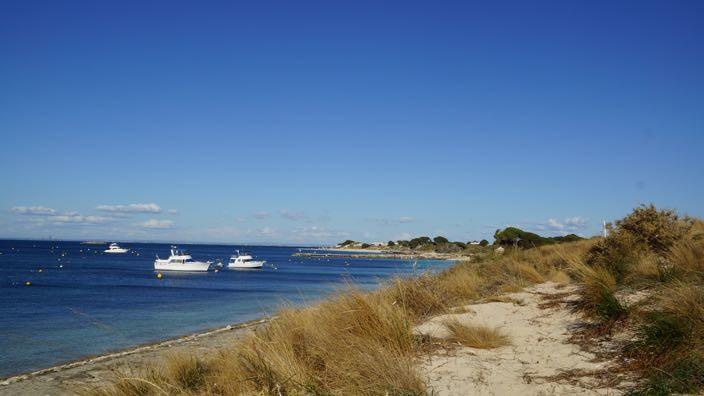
column 83, row 302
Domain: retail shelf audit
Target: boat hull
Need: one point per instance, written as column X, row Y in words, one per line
column 194, row 266
column 116, row 251
column 247, row 264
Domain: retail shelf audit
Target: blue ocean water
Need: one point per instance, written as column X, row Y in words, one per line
column 84, row 302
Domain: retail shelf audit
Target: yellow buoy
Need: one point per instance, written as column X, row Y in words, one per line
column 28, row 283
column 159, row 275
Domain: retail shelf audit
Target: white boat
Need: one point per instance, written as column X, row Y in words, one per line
column 180, row 261
column 115, row 248
column 244, row 261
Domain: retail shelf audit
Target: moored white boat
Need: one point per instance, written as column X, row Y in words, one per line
column 115, row 248
column 180, row 261
column 244, row 261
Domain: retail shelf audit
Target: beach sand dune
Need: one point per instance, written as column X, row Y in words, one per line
column 535, row 363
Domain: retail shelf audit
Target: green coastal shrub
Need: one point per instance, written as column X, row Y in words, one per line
column 644, row 231
column 415, row 242
column 440, row 240
column 513, row 236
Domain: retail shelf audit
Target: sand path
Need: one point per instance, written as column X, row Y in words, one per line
column 540, row 349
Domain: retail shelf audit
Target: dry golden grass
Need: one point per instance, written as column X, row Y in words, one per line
column 663, row 255
column 669, row 350
column 419, row 296
column 480, row 337
column 597, row 287
column 460, row 284
column 696, row 230
column 179, row 374
column 687, row 256
column 559, row 276
column 646, row 269
column 686, row 302
column 357, row 343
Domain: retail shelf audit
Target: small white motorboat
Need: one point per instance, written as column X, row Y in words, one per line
column 244, row 261
column 180, row 261
column 115, row 248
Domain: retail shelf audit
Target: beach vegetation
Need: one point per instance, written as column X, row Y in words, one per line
column 416, row 242
column 439, row 240
column 516, row 237
column 475, row 336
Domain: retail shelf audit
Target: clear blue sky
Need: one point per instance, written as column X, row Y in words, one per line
column 312, row 122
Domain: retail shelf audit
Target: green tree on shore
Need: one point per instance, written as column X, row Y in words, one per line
column 440, row 240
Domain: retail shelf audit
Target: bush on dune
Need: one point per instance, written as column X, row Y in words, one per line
column 645, row 231
column 658, row 251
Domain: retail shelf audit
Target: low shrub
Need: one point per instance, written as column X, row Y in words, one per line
column 658, row 229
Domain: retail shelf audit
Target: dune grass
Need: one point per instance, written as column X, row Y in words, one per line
column 475, row 336
column 662, row 254
column 597, row 290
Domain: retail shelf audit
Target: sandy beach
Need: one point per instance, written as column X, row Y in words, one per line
column 540, row 360
column 69, row 378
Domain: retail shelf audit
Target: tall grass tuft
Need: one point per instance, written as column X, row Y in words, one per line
column 480, row 337
column 357, row 343
column 419, row 296
column 187, row 371
column 597, row 287
column 686, row 257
